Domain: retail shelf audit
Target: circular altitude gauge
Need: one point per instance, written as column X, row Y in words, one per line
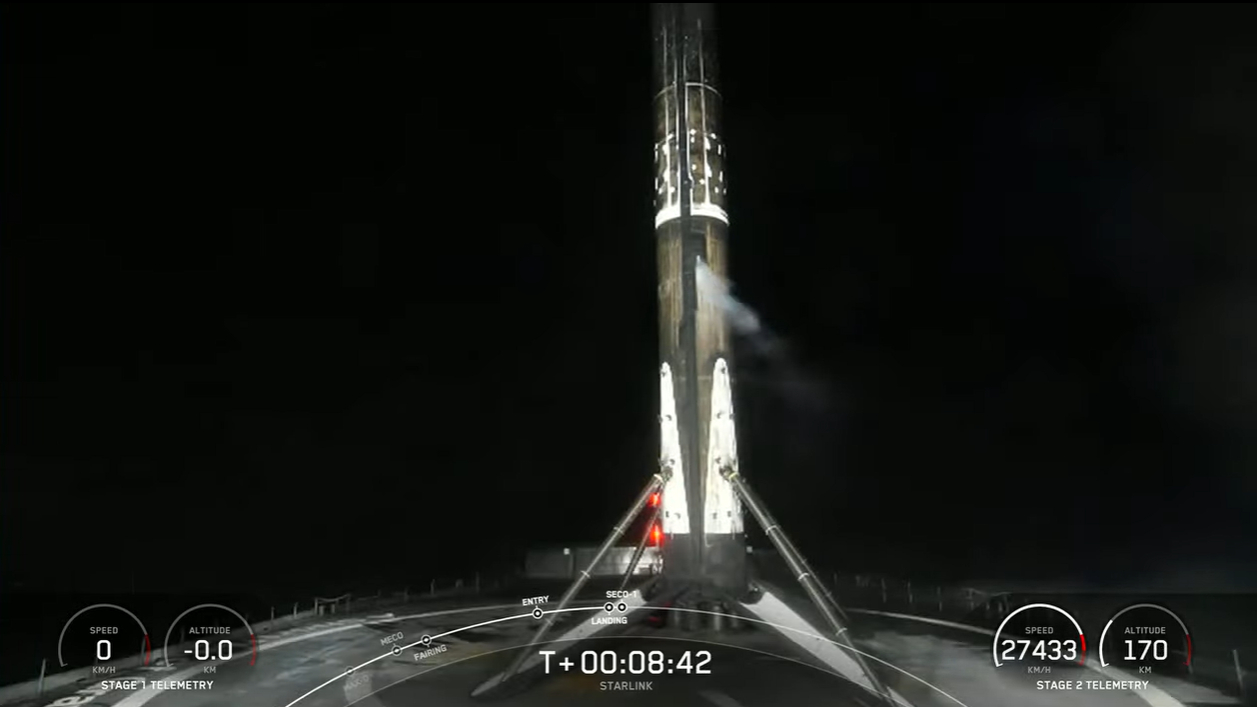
column 1039, row 634
column 1145, row 636
column 210, row 633
column 101, row 633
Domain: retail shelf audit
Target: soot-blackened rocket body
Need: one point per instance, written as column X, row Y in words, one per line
column 702, row 518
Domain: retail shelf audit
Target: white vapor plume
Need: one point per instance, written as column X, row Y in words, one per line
column 711, row 287
column 782, row 372
column 745, row 322
column 806, row 408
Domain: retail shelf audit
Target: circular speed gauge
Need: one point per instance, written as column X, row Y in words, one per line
column 1039, row 635
column 1145, row 636
column 101, row 633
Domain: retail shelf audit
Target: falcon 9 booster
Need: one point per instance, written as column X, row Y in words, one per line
column 702, row 516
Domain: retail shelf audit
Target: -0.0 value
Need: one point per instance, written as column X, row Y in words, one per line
column 201, row 650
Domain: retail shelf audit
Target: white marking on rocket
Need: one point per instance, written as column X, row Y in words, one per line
column 722, row 511
column 675, row 506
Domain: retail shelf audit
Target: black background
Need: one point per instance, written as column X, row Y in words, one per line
column 312, row 296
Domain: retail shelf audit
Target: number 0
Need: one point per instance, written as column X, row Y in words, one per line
column 103, row 651
column 224, row 649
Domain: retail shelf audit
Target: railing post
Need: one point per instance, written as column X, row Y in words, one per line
column 43, row 667
column 1239, row 671
column 911, row 602
column 939, row 588
column 432, row 588
column 883, row 590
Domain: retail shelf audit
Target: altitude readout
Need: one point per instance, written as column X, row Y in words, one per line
column 1145, row 636
column 1039, row 635
column 210, row 633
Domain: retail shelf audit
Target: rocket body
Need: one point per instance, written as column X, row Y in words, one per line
column 702, row 518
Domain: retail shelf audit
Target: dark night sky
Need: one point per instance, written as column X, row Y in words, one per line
column 343, row 294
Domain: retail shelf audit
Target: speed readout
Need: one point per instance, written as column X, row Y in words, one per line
column 1039, row 634
column 1041, row 647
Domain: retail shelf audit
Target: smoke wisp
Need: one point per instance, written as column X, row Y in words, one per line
column 776, row 366
column 744, row 320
